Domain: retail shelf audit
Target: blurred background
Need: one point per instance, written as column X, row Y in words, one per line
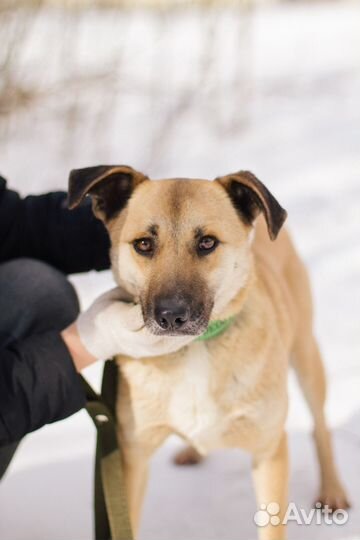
column 194, row 88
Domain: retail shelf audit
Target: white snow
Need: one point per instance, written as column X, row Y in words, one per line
column 275, row 91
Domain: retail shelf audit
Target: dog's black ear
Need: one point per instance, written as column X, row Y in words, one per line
column 250, row 197
column 110, row 187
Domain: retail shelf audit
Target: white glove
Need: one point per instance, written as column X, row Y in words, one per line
column 114, row 325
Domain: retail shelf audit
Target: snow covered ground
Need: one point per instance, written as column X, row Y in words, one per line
column 277, row 92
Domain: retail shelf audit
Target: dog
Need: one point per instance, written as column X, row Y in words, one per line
column 193, row 252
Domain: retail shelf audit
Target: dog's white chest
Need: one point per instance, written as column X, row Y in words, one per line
column 193, row 412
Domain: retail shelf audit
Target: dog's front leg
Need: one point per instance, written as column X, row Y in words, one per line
column 136, row 467
column 270, row 475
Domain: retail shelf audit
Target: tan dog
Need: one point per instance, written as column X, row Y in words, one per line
column 186, row 250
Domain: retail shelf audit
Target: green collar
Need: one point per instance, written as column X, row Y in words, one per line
column 215, row 328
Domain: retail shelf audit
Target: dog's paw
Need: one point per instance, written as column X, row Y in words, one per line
column 334, row 497
column 188, row 456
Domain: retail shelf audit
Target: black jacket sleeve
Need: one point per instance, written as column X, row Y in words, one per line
column 38, row 385
column 41, row 227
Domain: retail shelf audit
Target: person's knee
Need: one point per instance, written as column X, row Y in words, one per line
column 38, row 294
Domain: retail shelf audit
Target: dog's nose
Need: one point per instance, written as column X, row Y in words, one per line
column 171, row 313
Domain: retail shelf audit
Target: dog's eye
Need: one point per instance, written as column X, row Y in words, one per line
column 207, row 244
column 144, row 246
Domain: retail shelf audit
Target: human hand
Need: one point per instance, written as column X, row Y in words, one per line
column 113, row 325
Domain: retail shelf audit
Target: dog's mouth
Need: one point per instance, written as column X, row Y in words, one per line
column 174, row 316
column 194, row 328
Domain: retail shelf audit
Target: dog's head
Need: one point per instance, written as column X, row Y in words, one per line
column 181, row 247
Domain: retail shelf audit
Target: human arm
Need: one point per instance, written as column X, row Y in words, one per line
column 41, row 227
column 39, row 384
